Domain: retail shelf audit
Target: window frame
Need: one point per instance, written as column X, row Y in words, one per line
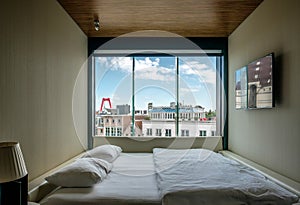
column 125, row 45
column 178, row 115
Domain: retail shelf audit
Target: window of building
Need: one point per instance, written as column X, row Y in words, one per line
column 113, row 131
column 158, row 132
column 107, row 131
column 149, row 132
column 202, row 133
column 168, row 133
column 119, row 131
column 185, row 133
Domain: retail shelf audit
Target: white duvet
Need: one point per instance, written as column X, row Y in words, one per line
column 199, row 176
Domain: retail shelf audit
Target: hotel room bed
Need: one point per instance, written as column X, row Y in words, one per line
column 171, row 177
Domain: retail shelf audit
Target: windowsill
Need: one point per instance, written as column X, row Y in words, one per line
column 172, row 137
column 146, row 144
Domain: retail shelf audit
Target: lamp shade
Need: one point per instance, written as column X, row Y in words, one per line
column 12, row 165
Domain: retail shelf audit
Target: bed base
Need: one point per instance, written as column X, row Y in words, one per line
column 39, row 187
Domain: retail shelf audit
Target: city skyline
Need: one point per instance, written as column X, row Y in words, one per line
column 156, row 77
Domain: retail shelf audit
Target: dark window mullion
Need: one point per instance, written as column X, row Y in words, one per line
column 91, row 101
column 177, row 97
column 220, row 96
column 132, row 104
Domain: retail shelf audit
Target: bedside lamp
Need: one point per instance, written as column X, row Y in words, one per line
column 13, row 175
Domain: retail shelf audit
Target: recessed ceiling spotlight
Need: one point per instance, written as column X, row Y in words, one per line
column 97, row 24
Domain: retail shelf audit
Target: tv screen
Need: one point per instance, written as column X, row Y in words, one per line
column 254, row 84
column 260, row 82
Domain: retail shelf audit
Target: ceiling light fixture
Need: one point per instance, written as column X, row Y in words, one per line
column 97, row 24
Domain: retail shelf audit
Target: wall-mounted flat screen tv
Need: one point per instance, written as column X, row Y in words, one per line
column 260, row 82
column 254, row 84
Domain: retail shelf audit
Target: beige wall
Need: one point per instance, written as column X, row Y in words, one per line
column 41, row 53
column 269, row 137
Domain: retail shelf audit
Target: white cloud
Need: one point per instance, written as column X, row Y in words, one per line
column 123, row 64
column 146, row 69
column 188, row 90
column 203, row 70
column 150, row 69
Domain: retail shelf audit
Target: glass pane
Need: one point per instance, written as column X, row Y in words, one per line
column 197, row 96
column 155, row 96
column 113, row 96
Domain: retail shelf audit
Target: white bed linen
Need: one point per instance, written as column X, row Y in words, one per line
column 131, row 181
column 199, row 176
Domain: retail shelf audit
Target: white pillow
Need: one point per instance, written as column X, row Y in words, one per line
column 102, row 164
column 84, row 172
column 106, row 152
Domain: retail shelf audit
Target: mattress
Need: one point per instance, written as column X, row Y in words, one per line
column 176, row 177
column 131, row 181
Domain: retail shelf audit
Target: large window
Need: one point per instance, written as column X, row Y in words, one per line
column 172, row 95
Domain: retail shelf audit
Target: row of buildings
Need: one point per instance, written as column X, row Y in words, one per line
column 155, row 122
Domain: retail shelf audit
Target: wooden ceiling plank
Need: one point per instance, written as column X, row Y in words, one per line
column 189, row 18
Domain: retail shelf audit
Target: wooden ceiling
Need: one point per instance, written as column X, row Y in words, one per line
column 188, row 18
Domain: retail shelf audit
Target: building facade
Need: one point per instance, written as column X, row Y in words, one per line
column 192, row 121
column 155, row 122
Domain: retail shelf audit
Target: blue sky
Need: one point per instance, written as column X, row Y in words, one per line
column 155, row 81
